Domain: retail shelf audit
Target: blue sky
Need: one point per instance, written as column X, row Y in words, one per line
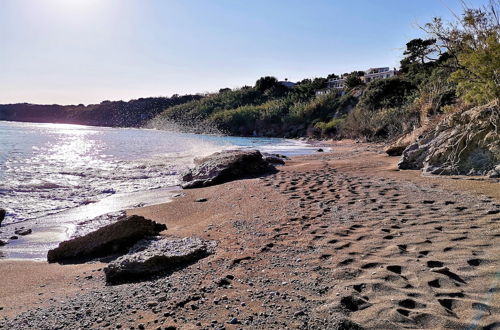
column 86, row 51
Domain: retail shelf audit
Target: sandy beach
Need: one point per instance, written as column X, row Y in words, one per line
column 333, row 239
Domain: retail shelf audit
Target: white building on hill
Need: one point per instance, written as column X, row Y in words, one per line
column 378, row 73
column 369, row 76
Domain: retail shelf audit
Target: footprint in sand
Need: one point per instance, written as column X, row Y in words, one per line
column 395, row 269
column 434, row 283
column 475, row 262
column 410, row 304
column 434, row 264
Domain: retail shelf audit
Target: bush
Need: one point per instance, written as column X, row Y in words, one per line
column 274, row 110
column 201, row 109
column 328, row 129
column 380, row 125
column 265, row 83
column 386, row 93
column 239, row 121
column 321, row 108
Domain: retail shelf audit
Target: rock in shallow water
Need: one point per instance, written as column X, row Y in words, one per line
column 150, row 257
column 22, row 231
column 226, row 166
column 111, row 239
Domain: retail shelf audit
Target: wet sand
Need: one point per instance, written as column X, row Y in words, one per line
column 330, row 239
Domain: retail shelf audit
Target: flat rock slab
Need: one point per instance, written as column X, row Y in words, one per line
column 226, row 166
column 156, row 256
column 111, row 239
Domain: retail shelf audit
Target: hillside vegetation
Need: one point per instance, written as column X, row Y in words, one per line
column 134, row 113
column 266, row 109
column 455, row 68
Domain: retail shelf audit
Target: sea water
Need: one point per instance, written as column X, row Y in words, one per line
column 54, row 176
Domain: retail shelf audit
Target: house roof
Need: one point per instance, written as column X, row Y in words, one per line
column 287, row 83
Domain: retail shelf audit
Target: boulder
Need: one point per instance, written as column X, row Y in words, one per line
column 22, row 231
column 156, row 256
column 111, row 239
column 226, row 166
column 494, row 173
column 275, row 159
column 2, row 215
column 463, row 143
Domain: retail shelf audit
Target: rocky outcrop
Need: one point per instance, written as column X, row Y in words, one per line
column 226, row 166
column 465, row 142
column 111, row 239
column 396, row 147
column 159, row 255
column 2, row 215
column 494, row 173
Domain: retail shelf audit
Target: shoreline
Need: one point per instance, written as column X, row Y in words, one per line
column 59, row 225
column 277, row 229
column 49, row 231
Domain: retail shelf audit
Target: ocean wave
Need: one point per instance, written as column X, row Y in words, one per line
column 39, row 186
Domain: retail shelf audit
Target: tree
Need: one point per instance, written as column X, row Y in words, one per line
column 265, row 83
column 418, row 50
column 306, row 89
column 417, row 64
column 353, row 80
column 386, row 93
column 332, row 76
column 474, row 45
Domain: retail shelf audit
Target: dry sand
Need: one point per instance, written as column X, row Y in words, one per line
column 28, row 284
column 330, row 238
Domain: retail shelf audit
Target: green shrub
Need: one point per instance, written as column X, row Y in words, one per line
column 239, row 121
column 201, row 109
column 386, row 93
column 329, row 128
column 274, row 110
column 378, row 125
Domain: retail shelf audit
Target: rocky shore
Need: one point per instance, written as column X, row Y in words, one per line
column 338, row 240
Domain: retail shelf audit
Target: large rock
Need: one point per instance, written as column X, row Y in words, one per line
column 2, row 215
column 159, row 255
column 274, row 159
column 226, row 166
column 494, row 173
column 108, row 240
column 396, row 147
column 466, row 142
